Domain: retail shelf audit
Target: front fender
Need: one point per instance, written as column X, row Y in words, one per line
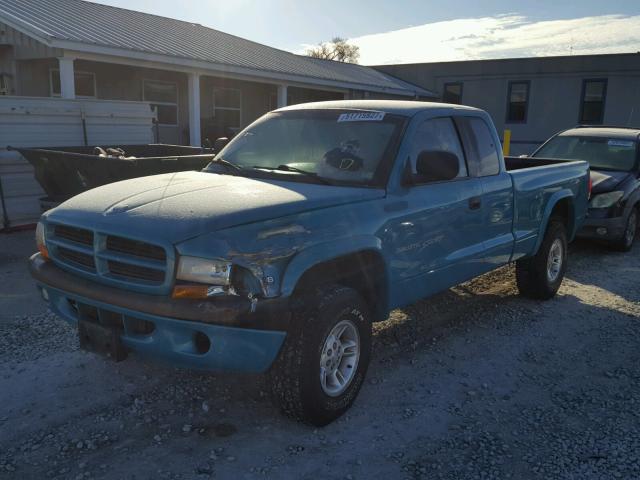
column 323, row 252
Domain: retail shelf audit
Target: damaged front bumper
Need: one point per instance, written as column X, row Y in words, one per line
column 222, row 334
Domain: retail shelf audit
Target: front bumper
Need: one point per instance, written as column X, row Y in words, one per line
column 239, row 340
column 592, row 228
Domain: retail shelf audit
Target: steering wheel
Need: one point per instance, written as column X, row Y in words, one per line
column 343, row 160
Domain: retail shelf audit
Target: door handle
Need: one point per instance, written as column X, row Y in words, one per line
column 475, row 203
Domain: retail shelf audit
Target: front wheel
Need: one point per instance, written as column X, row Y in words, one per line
column 540, row 276
column 324, row 359
column 626, row 242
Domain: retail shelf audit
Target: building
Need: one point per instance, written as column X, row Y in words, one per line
column 537, row 97
column 201, row 81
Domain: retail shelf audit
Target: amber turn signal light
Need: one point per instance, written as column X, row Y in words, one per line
column 190, row 291
column 43, row 251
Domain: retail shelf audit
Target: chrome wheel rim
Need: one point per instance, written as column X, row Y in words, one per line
column 339, row 358
column 632, row 226
column 554, row 262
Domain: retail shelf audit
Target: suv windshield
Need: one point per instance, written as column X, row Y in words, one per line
column 336, row 146
column 601, row 152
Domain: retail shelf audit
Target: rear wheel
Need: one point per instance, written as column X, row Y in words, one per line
column 323, row 362
column 626, row 242
column 540, row 276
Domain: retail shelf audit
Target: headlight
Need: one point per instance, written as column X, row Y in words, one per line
column 606, row 200
column 41, row 240
column 203, row 270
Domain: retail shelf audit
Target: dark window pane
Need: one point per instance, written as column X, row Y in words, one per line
column 85, row 85
column 518, row 100
column 228, row 118
column 452, row 93
column 226, row 98
column 161, row 92
column 55, row 82
column 593, row 99
column 167, row 114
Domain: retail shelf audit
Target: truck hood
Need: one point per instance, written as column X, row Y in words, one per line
column 178, row 206
column 604, row 181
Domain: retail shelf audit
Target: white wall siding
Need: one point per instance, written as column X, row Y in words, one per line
column 51, row 122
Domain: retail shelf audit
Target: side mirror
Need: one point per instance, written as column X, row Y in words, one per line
column 219, row 144
column 437, row 166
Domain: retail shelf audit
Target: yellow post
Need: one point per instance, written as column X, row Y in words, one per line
column 506, row 143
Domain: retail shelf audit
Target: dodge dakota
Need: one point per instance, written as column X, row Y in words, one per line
column 312, row 223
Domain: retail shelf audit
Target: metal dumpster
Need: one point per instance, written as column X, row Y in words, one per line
column 66, row 171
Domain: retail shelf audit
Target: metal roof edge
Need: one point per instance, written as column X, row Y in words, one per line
column 199, row 65
column 26, row 28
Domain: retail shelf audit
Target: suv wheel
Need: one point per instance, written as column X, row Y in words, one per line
column 626, row 242
column 540, row 276
column 323, row 362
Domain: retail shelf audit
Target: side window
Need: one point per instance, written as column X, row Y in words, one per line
column 438, row 134
column 483, row 158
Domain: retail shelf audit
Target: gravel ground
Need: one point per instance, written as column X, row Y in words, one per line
column 473, row 383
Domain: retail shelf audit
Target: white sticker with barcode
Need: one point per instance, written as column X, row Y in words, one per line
column 361, row 117
column 620, row 143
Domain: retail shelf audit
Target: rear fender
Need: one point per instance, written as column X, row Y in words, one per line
column 546, row 216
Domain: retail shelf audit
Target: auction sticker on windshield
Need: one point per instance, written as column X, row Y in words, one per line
column 361, row 117
column 620, row 143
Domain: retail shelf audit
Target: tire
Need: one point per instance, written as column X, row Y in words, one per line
column 540, row 276
column 295, row 377
column 625, row 243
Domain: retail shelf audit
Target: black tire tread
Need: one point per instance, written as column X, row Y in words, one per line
column 531, row 273
column 286, row 372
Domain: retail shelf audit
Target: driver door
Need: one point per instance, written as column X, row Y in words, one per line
column 436, row 241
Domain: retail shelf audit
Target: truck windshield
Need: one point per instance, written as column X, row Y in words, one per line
column 334, row 146
column 602, row 153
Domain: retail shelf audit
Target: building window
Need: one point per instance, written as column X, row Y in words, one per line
column 594, row 94
column 163, row 97
column 227, row 107
column 517, row 102
column 452, row 93
column 85, row 83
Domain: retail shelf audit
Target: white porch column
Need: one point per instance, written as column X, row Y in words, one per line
column 194, row 110
column 67, row 80
column 282, row 96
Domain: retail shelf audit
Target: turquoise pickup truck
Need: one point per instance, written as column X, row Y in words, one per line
column 312, row 223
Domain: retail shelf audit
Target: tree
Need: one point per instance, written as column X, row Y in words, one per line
column 337, row 49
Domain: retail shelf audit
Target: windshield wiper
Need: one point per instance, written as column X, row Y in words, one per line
column 287, row 168
column 227, row 164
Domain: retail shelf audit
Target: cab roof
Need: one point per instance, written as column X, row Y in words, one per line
column 397, row 107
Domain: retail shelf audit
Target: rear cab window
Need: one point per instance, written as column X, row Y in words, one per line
column 482, row 152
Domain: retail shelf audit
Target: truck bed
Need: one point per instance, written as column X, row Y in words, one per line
column 518, row 163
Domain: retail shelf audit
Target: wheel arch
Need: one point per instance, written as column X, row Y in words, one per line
column 362, row 269
column 561, row 205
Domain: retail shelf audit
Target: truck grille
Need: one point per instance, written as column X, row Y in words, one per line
column 73, row 234
column 113, row 258
column 77, row 258
column 136, row 248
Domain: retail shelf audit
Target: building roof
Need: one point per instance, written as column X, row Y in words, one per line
column 79, row 25
column 404, row 107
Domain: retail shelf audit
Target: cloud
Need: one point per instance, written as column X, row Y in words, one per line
column 502, row 36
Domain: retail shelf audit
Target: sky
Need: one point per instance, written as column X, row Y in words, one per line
column 409, row 31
